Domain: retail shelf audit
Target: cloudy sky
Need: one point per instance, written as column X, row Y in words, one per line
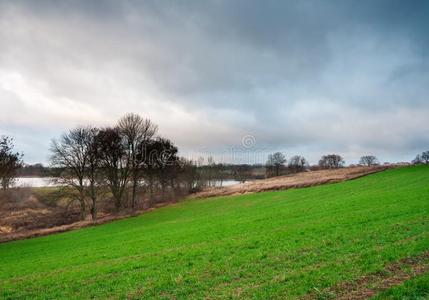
column 303, row 77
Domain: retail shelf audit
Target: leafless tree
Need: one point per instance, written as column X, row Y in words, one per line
column 422, row 158
column 297, row 163
column 10, row 162
column 425, row 157
column 114, row 162
column 417, row 160
column 70, row 154
column 242, row 172
column 190, row 174
column 275, row 162
column 93, row 173
column 166, row 162
column 331, row 161
column 159, row 161
column 147, row 157
column 137, row 132
column 219, row 173
column 368, row 160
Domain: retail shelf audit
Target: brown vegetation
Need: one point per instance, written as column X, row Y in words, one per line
column 304, row 179
column 30, row 212
column 43, row 217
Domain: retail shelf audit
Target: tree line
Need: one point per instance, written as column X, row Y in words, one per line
column 277, row 163
column 122, row 161
column 130, row 163
column 422, row 158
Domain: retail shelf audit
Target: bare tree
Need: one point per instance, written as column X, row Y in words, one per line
column 331, row 161
column 167, row 165
column 422, row 158
column 147, row 157
column 368, row 160
column 158, row 159
column 10, row 162
column 190, row 174
column 114, row 162
column 276, row 161
column 417, row 160
column 242, row 172
column 93, row 172
column 136, row 131
column 219, row 173
column 425, row 157
column 70, row 155
column 297, row 163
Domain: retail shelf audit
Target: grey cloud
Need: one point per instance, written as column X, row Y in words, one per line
column 306, row 75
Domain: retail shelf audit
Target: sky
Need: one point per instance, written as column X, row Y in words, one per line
column 232, row 79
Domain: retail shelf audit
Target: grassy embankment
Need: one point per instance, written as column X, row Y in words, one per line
column 281, row 244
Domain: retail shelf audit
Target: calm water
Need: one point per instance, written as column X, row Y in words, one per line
column 227, row 182
column 34, row 182
column 46, row 181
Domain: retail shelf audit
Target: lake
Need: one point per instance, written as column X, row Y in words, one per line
column 34, row 182
column 47, row 181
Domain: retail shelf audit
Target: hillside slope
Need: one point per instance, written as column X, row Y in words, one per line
column 284, row 244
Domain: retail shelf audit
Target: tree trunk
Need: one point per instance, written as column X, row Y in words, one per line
column 173, row 187
column 117, row 203
column 150, row 191
column 133, row 196
column 94, row 204
column 162, row 191
column 82, row 201
column 82, row 209
column 4, row 184
column 117, row 199
column 94, row 210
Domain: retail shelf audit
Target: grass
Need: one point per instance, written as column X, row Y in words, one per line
column 413, row 289
column 281, row 244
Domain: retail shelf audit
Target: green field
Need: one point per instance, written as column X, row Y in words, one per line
column 281, row 244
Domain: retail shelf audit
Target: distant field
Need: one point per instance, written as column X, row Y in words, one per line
column 284, row 244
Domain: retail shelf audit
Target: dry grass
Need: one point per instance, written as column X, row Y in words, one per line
column 304, row 179
column 45, row 218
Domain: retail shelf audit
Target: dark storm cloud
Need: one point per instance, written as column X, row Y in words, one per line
column 310, row 76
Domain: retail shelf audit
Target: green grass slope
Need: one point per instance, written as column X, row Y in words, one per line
column 280, row 244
